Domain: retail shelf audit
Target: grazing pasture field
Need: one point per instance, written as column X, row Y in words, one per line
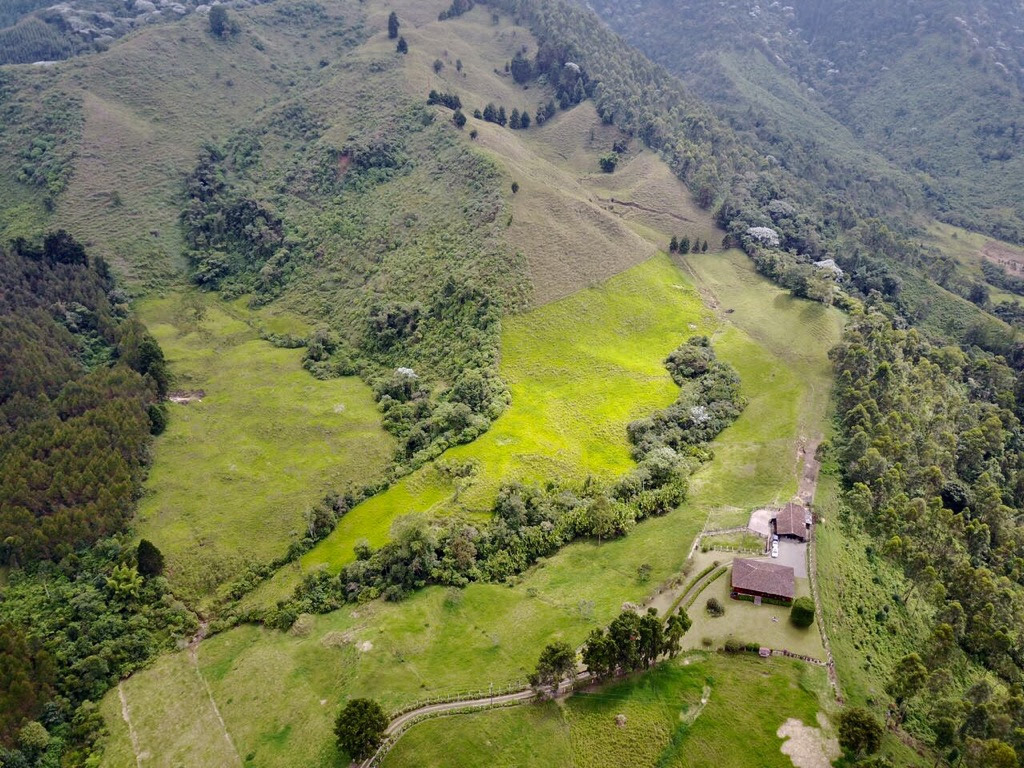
column 234, row 473
column 278, row 692
column 579, row 370
column 694, row 712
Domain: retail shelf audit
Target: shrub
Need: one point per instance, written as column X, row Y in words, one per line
column 714, row 607
column 150, row 559
column 802, row 612
column 643, row 573
column 221, row 25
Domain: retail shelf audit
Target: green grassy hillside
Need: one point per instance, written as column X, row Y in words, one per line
column 579, row 370
column 690, row 712
column 269, row 686
column 290, row 109
column 234, row 473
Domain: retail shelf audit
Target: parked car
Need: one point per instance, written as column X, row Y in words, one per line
column 775, row 549
column 775, row 537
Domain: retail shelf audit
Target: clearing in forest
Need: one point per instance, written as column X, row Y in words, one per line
column 235, row 471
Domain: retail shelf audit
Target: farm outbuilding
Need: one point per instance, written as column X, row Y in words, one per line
column 760, row 579
column 793, row 522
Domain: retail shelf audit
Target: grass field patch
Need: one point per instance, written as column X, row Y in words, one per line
column 234, row 473
column 579, row 371
column 693, row 711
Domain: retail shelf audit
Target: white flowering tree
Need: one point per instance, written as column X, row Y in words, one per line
column 764, row 235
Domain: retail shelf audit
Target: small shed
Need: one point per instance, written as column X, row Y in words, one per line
column 793, row 522
column 757, row 578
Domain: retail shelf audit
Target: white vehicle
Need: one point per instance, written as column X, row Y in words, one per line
column 775, row 549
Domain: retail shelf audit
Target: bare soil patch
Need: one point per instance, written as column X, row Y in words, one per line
column 1006, row 256
column 761, row 520
column 186, row 396
column 807, row 746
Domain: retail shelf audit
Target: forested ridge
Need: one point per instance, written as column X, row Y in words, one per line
column 785, row 216
column 78, row 400
column 930, row 450
column 80, row 396
column 847, row 94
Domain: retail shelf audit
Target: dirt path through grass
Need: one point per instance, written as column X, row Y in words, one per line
column 132, row 734
column 193, row 654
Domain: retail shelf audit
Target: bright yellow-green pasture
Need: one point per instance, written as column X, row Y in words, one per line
column 579, row 370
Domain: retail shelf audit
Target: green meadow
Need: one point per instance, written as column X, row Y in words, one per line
column 579, row 370
column 234, row 472
column 278, row 692
column 666, row 723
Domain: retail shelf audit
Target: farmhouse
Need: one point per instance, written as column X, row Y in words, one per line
column 760, row 579
column 792, row 522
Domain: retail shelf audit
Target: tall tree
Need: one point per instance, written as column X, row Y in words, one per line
column 652, row 636
column 599, row 654
column 860, row 733
column 907, row 678
column 150, row 559
column 393, row 25
column 557, row 662
column 678, row 625
column 220, row 24
column 360, row 728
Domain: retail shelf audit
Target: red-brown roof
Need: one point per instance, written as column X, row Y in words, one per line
column 766, row 578
column 791, row 521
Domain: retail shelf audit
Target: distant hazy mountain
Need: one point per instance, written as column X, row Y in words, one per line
column 923, row 97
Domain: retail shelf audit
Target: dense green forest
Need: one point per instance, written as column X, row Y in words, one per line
column 78, row 401
column 929, row 447
column 80, row 398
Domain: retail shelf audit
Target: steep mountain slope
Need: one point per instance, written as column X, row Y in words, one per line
column 920, row 100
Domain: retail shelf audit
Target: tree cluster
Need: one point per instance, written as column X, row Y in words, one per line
column 633, row 641
column 457, row 8
column 683, row 245
column 235, row 243
column 928, row 449
column 707, row 404
column 450, row 100
column 360, row 727
column 69, row 631
column 81, row 387
column 529, row 522
column 516, row 120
